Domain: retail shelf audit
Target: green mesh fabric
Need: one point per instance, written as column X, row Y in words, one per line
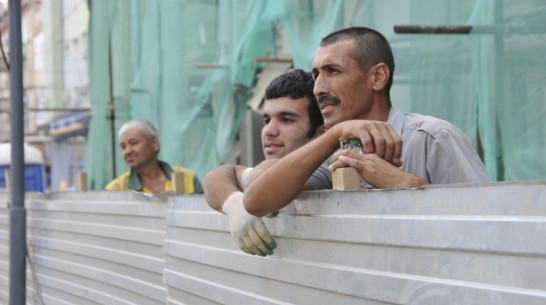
column 489, row 83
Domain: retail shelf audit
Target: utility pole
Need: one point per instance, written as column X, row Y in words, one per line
column 18, row 239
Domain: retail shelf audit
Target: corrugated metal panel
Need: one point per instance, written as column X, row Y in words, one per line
column 438, row 245
column 97, row 247
column 457, row 245
column 4, row 248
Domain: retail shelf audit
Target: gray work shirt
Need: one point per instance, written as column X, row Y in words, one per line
column 433, row 149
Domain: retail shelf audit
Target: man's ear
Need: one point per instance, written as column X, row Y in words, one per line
column 155, row 144
column 380, row 76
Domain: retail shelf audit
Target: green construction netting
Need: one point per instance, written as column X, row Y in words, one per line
column 144, row 55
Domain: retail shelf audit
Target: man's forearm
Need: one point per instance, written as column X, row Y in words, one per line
column 285, row 179
column 282, row 182
column 219, row 184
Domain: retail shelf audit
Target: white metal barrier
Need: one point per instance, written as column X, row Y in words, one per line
column 436, row 245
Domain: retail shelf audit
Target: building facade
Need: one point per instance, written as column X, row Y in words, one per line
column 55, row 83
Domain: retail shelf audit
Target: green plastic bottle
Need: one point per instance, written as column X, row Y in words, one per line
column 356, row 146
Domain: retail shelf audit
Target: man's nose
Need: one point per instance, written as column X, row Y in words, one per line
column 271, row 129
column 320, row 88
column 126, row 150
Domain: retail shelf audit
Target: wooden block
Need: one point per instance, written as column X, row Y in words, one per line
column 62, row 186
column 346, row 179
column 82, row 181
column 7, row 175
column 177, row 180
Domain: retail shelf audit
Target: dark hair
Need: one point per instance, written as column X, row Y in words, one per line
column 297, row 84
column 371, row 48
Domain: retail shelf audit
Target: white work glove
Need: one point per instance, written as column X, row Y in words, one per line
column 249, row 231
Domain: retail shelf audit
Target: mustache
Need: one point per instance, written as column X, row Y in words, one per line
column 328, row 98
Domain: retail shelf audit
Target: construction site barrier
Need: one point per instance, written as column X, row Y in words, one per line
column 458, row 244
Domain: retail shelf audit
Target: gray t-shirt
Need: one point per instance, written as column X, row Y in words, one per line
column 433, row 149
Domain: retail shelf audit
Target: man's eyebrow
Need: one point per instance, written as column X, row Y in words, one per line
column 282, row 113
column 289, row 113
column 329, row 66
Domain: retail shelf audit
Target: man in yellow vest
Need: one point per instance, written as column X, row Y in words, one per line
column 140, row 146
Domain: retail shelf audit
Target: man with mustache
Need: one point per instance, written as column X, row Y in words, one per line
column 353, row 70
column 139, row 142
column 292, row 118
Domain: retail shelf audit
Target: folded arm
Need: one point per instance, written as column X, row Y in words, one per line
column 287, row 178
column 223, row 192
column 220, row 183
